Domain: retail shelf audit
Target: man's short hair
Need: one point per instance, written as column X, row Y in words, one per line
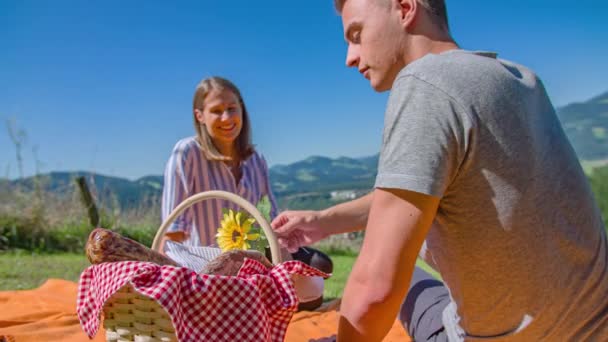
column 436, row 8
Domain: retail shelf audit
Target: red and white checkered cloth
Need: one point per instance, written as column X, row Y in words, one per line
column 255, row 305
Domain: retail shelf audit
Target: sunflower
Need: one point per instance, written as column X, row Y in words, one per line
column 235, row 232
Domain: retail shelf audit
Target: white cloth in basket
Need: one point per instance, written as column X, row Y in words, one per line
column 194, row 258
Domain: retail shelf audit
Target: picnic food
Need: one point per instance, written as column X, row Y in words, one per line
column 172, row 311
column 229, row 263
column 106, row 246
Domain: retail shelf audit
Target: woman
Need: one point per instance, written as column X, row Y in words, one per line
column 221, row 157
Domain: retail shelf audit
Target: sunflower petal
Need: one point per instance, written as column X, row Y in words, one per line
column 253, row 236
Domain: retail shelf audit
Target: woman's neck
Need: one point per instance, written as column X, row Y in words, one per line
column 230, row 151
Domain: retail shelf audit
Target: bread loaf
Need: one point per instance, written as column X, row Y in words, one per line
column 229, row 263
column 106, row 246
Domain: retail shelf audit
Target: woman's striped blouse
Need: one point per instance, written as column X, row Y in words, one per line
column 188, row 172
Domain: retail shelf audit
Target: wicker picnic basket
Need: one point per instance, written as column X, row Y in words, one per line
column 129, row 316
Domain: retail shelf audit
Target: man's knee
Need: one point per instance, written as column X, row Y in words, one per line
column 422, row 309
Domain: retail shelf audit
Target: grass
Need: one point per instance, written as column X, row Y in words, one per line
column 343, row 264
column 590, row 165
column 25, row 270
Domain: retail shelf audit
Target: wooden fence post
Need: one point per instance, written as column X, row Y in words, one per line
column 88, row 201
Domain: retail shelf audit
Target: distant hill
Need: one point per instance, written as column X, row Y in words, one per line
column 125, row 193
column 319, row 181
column 586, row 125
column 318, row 174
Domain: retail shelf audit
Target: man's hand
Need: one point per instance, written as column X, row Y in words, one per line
column 299, row 228
column 302, row 228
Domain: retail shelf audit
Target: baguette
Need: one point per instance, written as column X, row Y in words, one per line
column 106, row 246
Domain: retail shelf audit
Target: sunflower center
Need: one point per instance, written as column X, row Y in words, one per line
column 236, row 235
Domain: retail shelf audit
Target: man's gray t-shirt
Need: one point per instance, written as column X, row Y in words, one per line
column 518, row 238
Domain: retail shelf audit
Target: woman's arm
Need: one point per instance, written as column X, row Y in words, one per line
column 175, row 190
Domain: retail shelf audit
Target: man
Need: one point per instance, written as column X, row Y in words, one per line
column 475, row 163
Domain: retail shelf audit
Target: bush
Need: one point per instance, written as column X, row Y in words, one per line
column 142, row 234
column 22, row 232
column 599, row 184
column 343, row 244
column 40, row 222
column 68, row 237
column 47, row 222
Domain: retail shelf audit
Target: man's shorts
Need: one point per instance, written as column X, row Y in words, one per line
column 421, row 312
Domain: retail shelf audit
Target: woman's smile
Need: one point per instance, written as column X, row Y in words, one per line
column 228, row 127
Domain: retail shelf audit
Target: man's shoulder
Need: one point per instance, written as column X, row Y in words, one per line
column 450, row 57
column 434, row 68
column 460, row 72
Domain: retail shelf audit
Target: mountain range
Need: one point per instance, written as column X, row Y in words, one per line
column 585, row 123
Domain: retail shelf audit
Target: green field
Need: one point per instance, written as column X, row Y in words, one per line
column 21, row 271
column 342, row 266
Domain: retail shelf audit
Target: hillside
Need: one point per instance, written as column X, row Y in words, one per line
column 586, row 125
column 306, row 182
column 319, row 181
column 112, row 191
column 319, row 174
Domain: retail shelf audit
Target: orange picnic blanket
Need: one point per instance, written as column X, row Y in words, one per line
column 48, row 313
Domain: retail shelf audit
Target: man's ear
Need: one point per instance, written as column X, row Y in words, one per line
column 408, row 9
column 199, row 116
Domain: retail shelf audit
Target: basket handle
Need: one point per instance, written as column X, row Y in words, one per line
column 240, row 201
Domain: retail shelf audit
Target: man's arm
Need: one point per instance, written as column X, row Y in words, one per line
column 350, row 216
column 398, row 223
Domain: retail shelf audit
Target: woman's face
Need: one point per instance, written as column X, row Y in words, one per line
column 222, row 117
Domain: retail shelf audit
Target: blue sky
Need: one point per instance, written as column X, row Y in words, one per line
column 107, row 86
